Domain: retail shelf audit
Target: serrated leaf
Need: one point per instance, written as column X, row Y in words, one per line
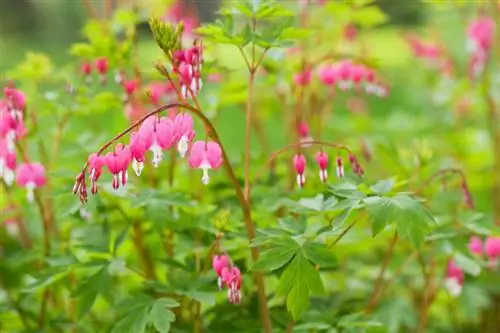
column 167, row 302
column 297, row 301
column 319, row 254
column 161, row 317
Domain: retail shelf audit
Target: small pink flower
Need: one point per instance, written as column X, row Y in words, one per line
column 96, row 163
column 350, row 32
column 130, row 86
column 205, row 156
column 184, row 132
column 454, row 278
column 161, row 132
column 16, row 98
column 86, row 68
column 30, row 176
column 303, row 78
column 322, row 159
column 140, row 143
column 7, row 162
column 480, row 35
column 231, row 276
column 357, row 73
column 117, row 163
column 340, row 167
column 327, row 75
column 356, row 167
column 156, row 92
column 101, row 65
column 218, row 264
column 476, row 246
column 299, row 163
column 492, row 250
column 344, row 71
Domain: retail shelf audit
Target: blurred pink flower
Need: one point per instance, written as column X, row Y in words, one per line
column 231, row 277
column 184, row 132
column 322, row 160
column 299, row 163
column 303, row 78
column 218, row 264
column 492, row 250
column 476, row 245
column 454, row 278
column 30, row 176
column 96, row 163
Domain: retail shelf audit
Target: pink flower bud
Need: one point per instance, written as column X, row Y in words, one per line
column 130, row 86
column 340, row 168
column 101, row 65
column 86, row 68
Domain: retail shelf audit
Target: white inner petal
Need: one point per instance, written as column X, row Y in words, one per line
column 30, row 191
column 182, row 146
column 157, row 154
column 137, row 167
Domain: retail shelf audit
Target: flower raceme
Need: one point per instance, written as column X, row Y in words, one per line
column 30, row 176
column 205, row 156
column 187, row 64
column 346, row 75
column 479, row 44
column 228, row 276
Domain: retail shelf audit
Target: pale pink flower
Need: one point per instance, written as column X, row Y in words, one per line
column 492, row 250
column 134, row 110
column 140, row 143
column 184, row 132
column 7, row 162
column 327, row 75
column 322, row 160
column 476, row 246
column 299, row 163
column 344, row 71
column 231, row 277
column 96, row 164
column 117, row 163
column 303, row 78
column 30, row 176
column 156, row 91
column 340, row 167
column 205, row 156
column 16, row 99
column 454, row 278
column 161, row 132
column 218, row 264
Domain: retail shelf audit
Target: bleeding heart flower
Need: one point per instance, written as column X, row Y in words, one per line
column 299, row 163
column 117, row 163
column 30, row 176
column 205, row 156
column 322, row 160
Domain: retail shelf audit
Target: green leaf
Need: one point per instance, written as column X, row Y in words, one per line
column 383, row 186
column 273, row 259
column 297, row 301
column 168, row 302
column 161, row 317
column 381, row 212
column 134, row 322
column 341, row 218
column 469, row 265
column 294, row 225
column 319, row 254
column 88, row 291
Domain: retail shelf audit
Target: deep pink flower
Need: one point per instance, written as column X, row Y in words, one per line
column 322, row 160
column 344, row 71
column 454, row 278
column 117, row 163
column 96, row 163
column 340, row 167
column 327, row 75
column 11, row 126
column 140, row 143
column 299, row 163
column 218, row 264
column 480, row 35
column 476, row 245
column 30, row 176
column 492, row 250
column 156, row 92
column 130, row 86
column 7, row 162
column 357, row 73
column 184, row 132
column 205, row 156
column 101, row 65
column 16, row 98
column 303, row 130
column 159, row 135
column 86, row 68
column 303, row 78
column 231, row 276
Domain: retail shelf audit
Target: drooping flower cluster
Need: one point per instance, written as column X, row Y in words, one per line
column 430, row 53
column 454, row 278
column 27, row 175
column 347, row 75
column 101, row 66
column 300, row 162
column 490, row 248
column 228, row 276
column 187, row 64
column 155, row 134
column 479, row 44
